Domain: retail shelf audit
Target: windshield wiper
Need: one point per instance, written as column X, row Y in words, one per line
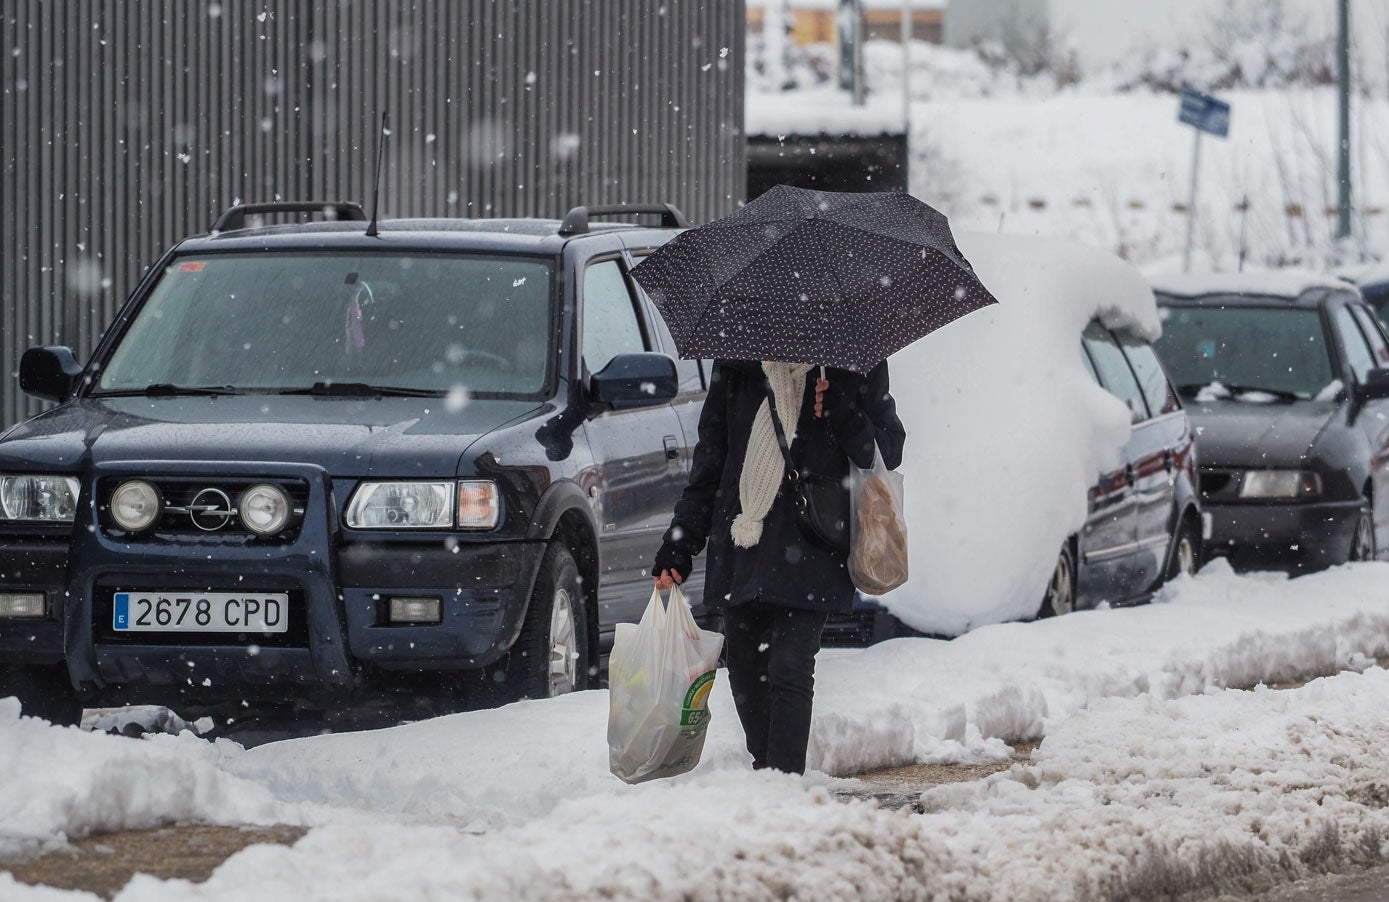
column 1233, row 391
column 362, row 390
column 169, row 390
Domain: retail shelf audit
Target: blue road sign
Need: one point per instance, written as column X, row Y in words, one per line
column 1204, row 112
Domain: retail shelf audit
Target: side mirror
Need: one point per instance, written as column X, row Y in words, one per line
column 634, row 380
column 1375, row 387
column 49, row 373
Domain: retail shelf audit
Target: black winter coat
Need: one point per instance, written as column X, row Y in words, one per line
column 783, row 568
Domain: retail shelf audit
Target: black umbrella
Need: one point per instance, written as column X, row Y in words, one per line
column 818, row 277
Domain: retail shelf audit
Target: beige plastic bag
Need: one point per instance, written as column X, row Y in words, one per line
column 660, row 673
column 877, row 529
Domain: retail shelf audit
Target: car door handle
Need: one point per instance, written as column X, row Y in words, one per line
column 672, row 448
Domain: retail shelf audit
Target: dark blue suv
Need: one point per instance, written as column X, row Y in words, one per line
column 320, row 464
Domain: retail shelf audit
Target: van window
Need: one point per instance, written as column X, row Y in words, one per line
column 1114, row 371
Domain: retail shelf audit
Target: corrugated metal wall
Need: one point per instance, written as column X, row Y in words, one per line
column 127, row 124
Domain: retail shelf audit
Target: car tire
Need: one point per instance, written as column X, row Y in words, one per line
column 44, row 692
column 552, row 655
column 1060, row 597
column 1362, row 541
column 1186, row 552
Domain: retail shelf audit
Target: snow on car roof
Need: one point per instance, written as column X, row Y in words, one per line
column 1284, row 283
column 972, row 394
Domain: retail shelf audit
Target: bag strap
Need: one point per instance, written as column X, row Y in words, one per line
column 780, row 432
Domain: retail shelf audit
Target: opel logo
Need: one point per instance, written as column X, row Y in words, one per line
column 211, row 510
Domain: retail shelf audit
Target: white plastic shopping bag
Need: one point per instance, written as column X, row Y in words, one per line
column 877, row 528
column 660, row 673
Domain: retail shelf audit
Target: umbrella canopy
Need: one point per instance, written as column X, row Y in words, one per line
column 818, row 277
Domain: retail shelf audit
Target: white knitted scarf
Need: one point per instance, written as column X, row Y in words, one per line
column 764, row 467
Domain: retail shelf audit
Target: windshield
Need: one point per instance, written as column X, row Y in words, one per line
column 1279, row 350
column 284, row 322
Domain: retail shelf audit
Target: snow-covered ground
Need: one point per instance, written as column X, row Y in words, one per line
column 1138, row 785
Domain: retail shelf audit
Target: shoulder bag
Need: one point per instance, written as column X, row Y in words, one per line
column 822, row 502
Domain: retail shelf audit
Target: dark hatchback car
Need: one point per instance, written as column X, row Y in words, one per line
column 311, row 465
column 1286, row 384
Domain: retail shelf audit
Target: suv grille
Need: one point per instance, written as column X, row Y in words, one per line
column 206, row 506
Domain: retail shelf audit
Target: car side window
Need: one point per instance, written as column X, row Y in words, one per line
column 1353, row 345
column 611, row 326
column 1152, row 378
column 1113, row 369
column 691, row 379
column 1374, row 334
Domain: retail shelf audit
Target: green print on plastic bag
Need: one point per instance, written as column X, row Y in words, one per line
column 696, row 709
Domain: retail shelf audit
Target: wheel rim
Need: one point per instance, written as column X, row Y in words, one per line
column 1364, row 547
column 564, row 653
column 1062, row 590
column 1186, row 556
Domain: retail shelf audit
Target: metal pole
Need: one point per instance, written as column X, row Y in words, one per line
column 1343, row 157
column 1191, row 204
column 860, row 89
column 907, row 70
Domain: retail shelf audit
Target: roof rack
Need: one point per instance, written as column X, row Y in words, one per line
column 576, row 220
column 235, row 217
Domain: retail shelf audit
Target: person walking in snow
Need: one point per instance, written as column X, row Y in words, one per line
column 775, row 588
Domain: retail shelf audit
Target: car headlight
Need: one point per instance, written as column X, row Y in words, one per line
column 402, row 505
column 264, row 509
column 1286, row 484
column 466, row 504
column 135, row 505
column 38, row 499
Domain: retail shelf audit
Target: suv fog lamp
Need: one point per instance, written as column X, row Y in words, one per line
column 43, row 499
column 477, row 504
column 416, row 610
column 264, row 509
column 135, row 505
column 23, row 604
column 401, row 505
column 1286, row 484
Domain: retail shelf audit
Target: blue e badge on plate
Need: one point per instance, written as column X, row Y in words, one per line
column 122, row 611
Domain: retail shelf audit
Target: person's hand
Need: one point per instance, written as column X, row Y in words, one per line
column 821, row 386
column 668, row 579
column 671, row 567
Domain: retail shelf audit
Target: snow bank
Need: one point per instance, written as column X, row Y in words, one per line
column 1006, row 431
column 63, row 782
column 1136, row 798
column 546, row 762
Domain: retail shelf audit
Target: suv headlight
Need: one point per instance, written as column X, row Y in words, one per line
column 424, row 505
column 38, row 499
column 1285, row 484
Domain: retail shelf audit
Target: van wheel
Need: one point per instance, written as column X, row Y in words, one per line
column 551, row 656
column 1061, row 591
column 44, row 692
column 1362, row 543
column 1186, row 552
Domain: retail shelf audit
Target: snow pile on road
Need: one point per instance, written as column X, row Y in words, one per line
column 1006, row 430
column 63, row 782
column 1136, row 798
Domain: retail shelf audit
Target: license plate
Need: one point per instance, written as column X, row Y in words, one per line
column 201, row 612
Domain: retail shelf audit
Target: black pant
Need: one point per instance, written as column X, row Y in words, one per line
column 771, row 669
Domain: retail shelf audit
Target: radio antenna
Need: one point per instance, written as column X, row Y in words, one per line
column 372, row 231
